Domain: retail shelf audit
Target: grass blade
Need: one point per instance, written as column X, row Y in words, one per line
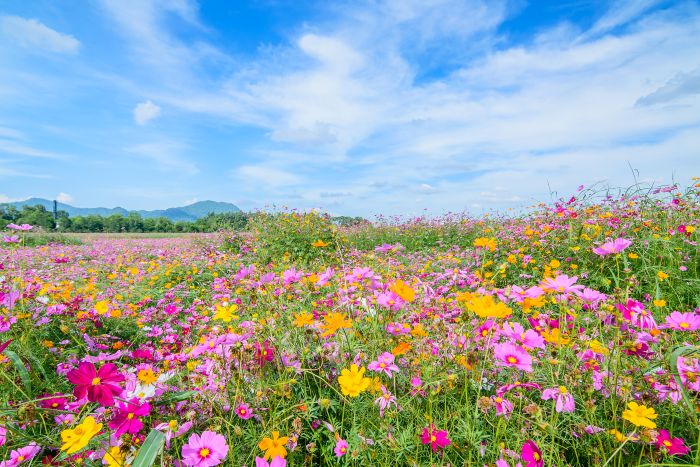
column 152, row 446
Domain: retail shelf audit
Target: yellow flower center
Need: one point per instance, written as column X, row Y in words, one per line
column 96, row 381
column 20, row 458
column 667, row 443
column 684, row 325
column 130, row 416
column 172, row 424
column 204, row 453
column 512, row 359
column 562, row 389
column 433, row 439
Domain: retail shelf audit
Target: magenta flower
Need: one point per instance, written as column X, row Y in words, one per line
column 531, row 455
column 504, row 407
column 672, row 446
column 205, row 450
column 98, row 385
column 341, row 448
column 244, row 411
column 512, row 356
column 689, row 371
column 276, row 462
column 683, row 321
column 384, row 363
column 564, row 400
column 611, row 248
column 128, row 418
column 264, row 353
column 436, row 438
column 21, row 455
column 53, row 401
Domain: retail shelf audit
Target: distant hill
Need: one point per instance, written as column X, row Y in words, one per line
column 191, row 212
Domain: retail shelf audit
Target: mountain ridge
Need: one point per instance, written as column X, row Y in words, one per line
column 190, row 212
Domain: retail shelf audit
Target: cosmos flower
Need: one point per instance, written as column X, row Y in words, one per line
column 512, row 356
column 384, row 363
column 274, row 446
column 205, row 450
column 128, row 417
column 437, row 439
column 76, row 438
column 640, row 415
column 244, row 411
column 683, row 321
column 613, row 247
column 564, row 400
column 672, row 446
column 531, row 454
column 276, row 462
column 385, row 401
column 21, row 455
column 341, row 448
column 98, row 385
column 353, row 382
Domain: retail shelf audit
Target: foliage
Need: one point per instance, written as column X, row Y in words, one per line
column 294, row 237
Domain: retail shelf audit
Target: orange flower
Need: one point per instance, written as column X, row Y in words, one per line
column 333, row 322
column 402, row 289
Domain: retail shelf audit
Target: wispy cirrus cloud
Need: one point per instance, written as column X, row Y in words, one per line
column 34, row 35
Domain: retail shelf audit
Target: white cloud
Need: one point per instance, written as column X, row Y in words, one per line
column 166, row 155
column 144, row 112
column 266, row 175
column 64, row 198
column 33, row 34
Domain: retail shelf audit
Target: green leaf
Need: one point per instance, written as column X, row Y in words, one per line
column 150, row 449
column 21, row 369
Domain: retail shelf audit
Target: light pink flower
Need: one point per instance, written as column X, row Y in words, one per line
column 384, row 363
column 564, row 400
column 683, row 321
column 512, row 356
column 205, row 450
column 613, row 247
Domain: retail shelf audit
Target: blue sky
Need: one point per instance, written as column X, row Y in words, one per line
column 356, row 107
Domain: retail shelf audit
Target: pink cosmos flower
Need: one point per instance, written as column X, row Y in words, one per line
column 384, row 363
column 436, row 438
column 672, row 446
column 512, row 356
column 341, row 448
column 3, row 435
column 683, row 321
column 205, row 450
column 504, row 407
column 98, row 385
column 128, row 418
column 244, row 411
column 53, row 401
column 384, row 401
column 21, row 455
column 531, row 454
column 689, row 371
column 529, row 339
column 613, row 247
column 564, row 400
column 264, row 353
column 276, row 462
column 23, row 227
column 173, row 430
column 562, row 284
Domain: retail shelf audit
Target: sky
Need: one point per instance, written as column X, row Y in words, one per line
column 355, row 107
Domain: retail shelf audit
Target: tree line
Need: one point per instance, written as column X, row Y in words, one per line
column 39, row 216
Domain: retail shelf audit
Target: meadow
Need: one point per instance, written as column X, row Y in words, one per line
column 565, row 336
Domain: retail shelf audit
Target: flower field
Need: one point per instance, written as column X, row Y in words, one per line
column 568, row 336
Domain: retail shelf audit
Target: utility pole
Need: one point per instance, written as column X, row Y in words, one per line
column 55, row 210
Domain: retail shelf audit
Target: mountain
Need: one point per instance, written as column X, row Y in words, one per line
column 191, row 212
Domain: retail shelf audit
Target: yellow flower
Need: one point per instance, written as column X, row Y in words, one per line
column 101, row 307
column 418, row 331
column 598, row 347
column 662, row 276
column 333, row 322
column 114, row 457
column 319, row 244
column 75, row 439
column 555, row 336
column 660, row 303
column 484, row 306
column 640, row 415
column 225, row 313
column 352, row 382
column 274, row 446
column 303, row 319
column 402, row 289
column 484, row 242
column 147, row 376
